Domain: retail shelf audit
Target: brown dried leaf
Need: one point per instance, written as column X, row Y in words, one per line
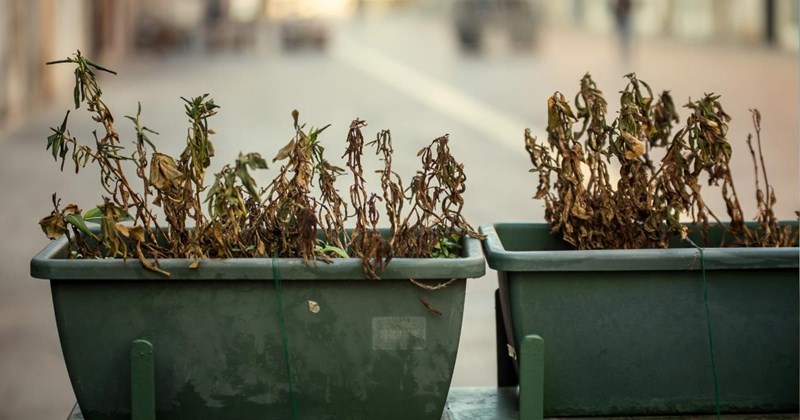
column 430, row 307
column 71, row 209
column 53, row 226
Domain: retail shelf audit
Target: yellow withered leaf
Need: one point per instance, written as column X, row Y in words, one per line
column 284, row 152
column 636, row 147
column 136, row 233
column 123, row 230
column 164, row 171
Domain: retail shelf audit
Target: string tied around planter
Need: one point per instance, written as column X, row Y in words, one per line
column 282, row 322
column 701, row 251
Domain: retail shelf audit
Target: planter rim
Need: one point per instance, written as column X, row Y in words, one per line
column 673, row 259
column 48, row 264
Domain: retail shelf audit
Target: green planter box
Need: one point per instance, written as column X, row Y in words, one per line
column 625, row 330
column 371, row 350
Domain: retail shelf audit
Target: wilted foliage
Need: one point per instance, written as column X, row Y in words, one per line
column 290, row 217
column 644, row 209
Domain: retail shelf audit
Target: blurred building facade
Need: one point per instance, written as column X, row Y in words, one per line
column 738, row 21
column 33, row 32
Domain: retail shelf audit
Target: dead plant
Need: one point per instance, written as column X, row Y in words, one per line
column 289, row 218
column 644, row 209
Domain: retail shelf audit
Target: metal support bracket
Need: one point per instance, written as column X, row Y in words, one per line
column 531, row 378
column 143, row 389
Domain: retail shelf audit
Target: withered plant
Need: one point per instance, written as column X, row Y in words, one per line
column 108, row 155
column 300, row 213
column 433, row 225
column 645, row 207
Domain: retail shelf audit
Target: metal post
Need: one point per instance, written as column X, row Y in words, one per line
column 770, row 33
column 531, row 378
column 506, row 374
column 143, row 390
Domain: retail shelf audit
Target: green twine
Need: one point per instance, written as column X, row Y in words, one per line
column 282, row 321
column 708, row 324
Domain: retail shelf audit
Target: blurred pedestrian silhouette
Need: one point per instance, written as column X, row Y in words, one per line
column 622, row 19
column 522, row 20
column 470, row 20
column 215, row 16
column 519, row 19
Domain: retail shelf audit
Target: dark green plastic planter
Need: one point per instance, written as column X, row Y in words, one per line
column 625, row 331
column 371, row 351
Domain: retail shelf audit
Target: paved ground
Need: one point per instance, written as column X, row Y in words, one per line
column 401, row 72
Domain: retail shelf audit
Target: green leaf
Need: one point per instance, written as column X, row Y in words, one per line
column 95, row 215
column 77, row 221
column 253, row 160
column 76, row 93
column 101, row 68
column 54, row 143
column 330, row 248
column 316, row 132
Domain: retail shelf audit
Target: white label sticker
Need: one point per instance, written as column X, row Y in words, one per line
column 398, row 333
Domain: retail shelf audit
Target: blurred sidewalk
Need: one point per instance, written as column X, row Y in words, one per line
column 402, row 72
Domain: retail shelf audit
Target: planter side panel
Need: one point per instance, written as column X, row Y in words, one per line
column 371, row 351
column 636, row 342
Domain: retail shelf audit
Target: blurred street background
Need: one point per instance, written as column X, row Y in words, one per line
column 478, row 70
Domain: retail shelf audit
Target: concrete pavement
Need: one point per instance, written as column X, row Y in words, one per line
column 378, row 69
